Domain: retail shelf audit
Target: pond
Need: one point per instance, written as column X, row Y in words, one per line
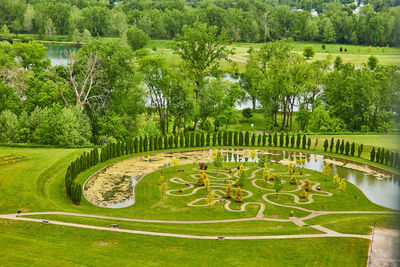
column 381, row 187
column 58, row 53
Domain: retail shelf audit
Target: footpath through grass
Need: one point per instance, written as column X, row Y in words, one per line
column 26, row 243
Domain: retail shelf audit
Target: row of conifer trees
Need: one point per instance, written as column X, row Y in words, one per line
column 343, row 148
column 386, row 157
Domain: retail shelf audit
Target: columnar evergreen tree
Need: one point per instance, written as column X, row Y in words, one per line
column 253, row 139
column 176, row 141
column 342, row 147
column 264, row 139
column 292, row 141
column 160, row 142
column 246, row 138
column 337, row 147
column 309, row 143
column 230, row 138
column 387, row 157
column 281, row 140
column 191, row 139
column 304, row 142
column 187, row 140
column 236, row 139
column 225, row 138
column 378, row 155
column 145, row 143
column 155, row 143
column 182, row 140
column 331, row 145
column 298, row 140
column 259, row 140
column 287, row 140
column 391, row 161
column 360, row 150
column 372, row 154
column 208, row 139
column 165, row 142
column 396, row 161
column 326, row 145
column 214, row 139
column 241, row 138
column 269, row 139
column 382, row 157
column 275, row 139
column 198, row 143
column 171, row 141
column 347, row 148
column 219, row 138
column 352, row 149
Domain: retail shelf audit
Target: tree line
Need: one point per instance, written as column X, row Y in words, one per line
column 376, row 23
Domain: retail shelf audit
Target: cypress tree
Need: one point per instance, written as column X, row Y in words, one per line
column 241, row 138
column 372, row 154
column 192, row 139
column 197, row 139
column 298, row 140
column 246, row 138
column 253, row 139
column 391, row 160
column 378, row 155
column 352, row 149
column 360, row 150
column 309, row 143
column 165, row 142
column 176, row 141
column 140, row 144
column 187, row 140
column 181, row 139
column 214, row 138
column 151, row 143
column 304, row 142
column 230, row 138
column 236, row 139
column 171, row 141
column 326, row 145
column 269, row 139
column 342, row 147
column 219, row 138
column 347, row 149
column 118, row 149
column 135, row 145
column 208, row 139
column 155, row 143
column 337, row 146
column 292, row 141
column 123, row 145
column 160, row 142
column 332, row 144
column 275, row 139
column 287, row 140
column 397, row 160
column 264, row 139
column 127, row 145
column 225, row 138
column 387, row 157
column 259, row 140
column 145, row 143
column 281, row 140
column 382, row 157
column 202, row 139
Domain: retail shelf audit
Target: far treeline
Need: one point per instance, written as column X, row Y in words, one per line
column 109, row 92
column 217, row 139
column 366, row 22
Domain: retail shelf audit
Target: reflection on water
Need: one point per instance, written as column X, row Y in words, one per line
column 58, row 54
column 382, row 191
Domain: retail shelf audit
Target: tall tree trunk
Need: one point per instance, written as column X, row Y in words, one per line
column 284, row 113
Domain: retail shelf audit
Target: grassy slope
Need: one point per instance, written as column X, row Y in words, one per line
column 213, row 229
column 26, row 243
column 356, row 223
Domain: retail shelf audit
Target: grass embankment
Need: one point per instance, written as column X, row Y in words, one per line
column 26, row 243
column 356, row 223
column 208, row 229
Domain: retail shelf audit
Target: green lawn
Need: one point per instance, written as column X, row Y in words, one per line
column 209, row 229
column 28, row 244
column 356, row 223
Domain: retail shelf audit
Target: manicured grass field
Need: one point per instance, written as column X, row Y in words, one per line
column 210, row 229
column 356, row 223
column 28, row 244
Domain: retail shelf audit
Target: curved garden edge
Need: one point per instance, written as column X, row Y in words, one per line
column 88, row 174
